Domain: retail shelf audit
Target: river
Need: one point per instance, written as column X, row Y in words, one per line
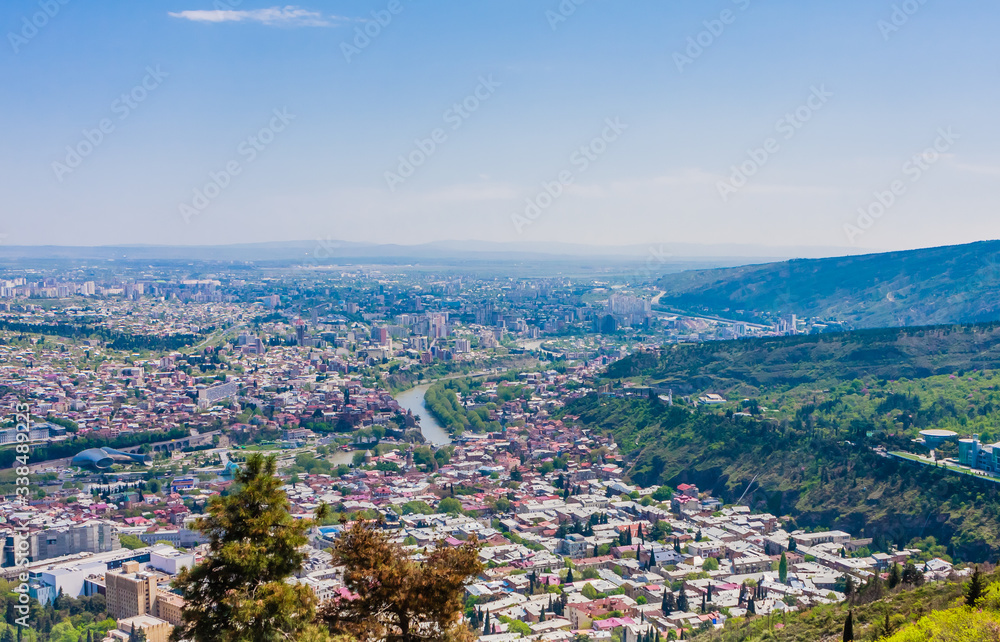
column 413, row 400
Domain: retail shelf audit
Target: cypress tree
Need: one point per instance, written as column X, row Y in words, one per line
column 895, row 575
column 682, row 601
column 849, row 627
column 975, row 589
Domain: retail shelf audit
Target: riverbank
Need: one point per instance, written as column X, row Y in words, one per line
column 413, row 400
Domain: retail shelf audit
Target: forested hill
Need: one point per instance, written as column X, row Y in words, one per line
column 951, row 284
column 816, row 464
column 806, row 424
column 747, row 366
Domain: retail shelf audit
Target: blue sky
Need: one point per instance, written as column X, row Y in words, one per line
column 217, row 71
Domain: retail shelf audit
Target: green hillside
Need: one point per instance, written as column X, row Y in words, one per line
column 807, row 423
column 952, row 284
column 748, row 366
column 821, row 473
column 925, row 613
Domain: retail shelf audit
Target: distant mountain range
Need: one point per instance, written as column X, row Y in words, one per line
column 656, row 256
column 951, row 284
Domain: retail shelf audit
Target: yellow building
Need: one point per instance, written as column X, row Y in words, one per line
column 130, row 592
column 169, row 607
column 156, row 630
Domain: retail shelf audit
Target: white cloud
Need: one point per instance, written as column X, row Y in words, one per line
column 288, row 16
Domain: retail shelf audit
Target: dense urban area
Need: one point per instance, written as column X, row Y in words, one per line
column 445, row 410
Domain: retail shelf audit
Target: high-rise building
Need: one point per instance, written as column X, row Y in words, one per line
column 634, row 310
column 89, row 537
column 169, row 607
column 130, row 591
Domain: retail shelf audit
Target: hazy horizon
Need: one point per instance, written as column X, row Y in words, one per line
column 209, row 123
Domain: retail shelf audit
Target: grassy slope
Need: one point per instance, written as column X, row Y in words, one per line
column 906, row 605
column 917, row 287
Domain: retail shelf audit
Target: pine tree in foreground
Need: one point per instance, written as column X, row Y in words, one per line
column 239, row 593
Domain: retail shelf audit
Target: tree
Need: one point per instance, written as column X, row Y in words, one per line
column 450, row 505
column 682, row 601
column 569, row 576
column 783, row 569
column 895, row 575
column 911, row 575
column 974, row 591
column 8, row 636
column 399, row 599
column 239, row 593
column 131, row 542
column 849, row 627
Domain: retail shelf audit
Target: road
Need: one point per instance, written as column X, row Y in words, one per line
column 708, row 317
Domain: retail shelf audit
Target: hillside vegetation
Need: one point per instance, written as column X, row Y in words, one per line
column 824, row 476
column 930, row 612
column 952, row 284
column 748, row 366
